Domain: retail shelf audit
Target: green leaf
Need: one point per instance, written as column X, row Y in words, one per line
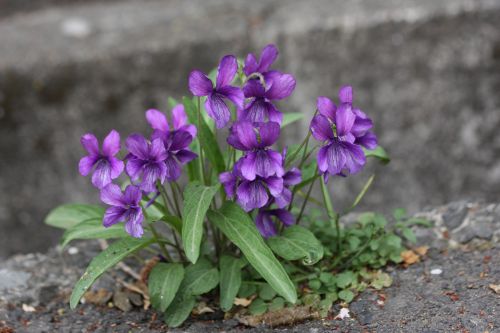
column 409, row 235
column 230, row 281
column 163, row 283
column 105, row 260
column 246, row 290
column 174, row 221
column 67, row 216
column 199, row 278
column 378, row 153
column 296, row 243
column 92, row 229
column 206, row 137
column 240, row 229
column 197, row 199
column 418, row 221
column 277, row 304
column 363, row 192
column 345, row 279
column 257, row 307
column 179, row 310
column 399, row 213
column 382, row 280
column 266, row 292
column 291, row 117
column 346, row 295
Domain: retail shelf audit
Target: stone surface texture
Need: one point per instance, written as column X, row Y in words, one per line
column 459, row 299
column 426, row 71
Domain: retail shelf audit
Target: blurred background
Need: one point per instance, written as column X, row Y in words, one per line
column 426, row 71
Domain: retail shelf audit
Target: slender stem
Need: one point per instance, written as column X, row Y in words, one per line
column 315, row 201
column 200, row 158
column 305, row 277
column 157, row 239
column 292, row 156
column 304, row 153
column 306, row 200
column 166, row 199
column 332, row 215
column 178, row 188
column 176, row 201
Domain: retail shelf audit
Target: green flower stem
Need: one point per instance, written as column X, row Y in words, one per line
column 306, row 200
column 305, row 277
column 200, row 157
column 157, row 238
column 176, row 201
column 304, row 153
column 295, row 153
column 315, row 201
column 166, row 199
column 332, row 215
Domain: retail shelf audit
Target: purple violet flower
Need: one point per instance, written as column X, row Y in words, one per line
column 159, row 123
column 107, row 166
column 250, row 194
column 147, row 160
column 125, row 207
column 260, row 108
column 268, row 56
column 267, row 226
column 342, row 130
column 255, row 139
column 176, row 141
column 201, row 85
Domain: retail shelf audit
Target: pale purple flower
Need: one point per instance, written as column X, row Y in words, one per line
column 342, row 130
column 159, row 123
column 201, row 85
column 107, row 166
column 266, row 220
column 260, row 108
column 125, row 207
column 147, row 160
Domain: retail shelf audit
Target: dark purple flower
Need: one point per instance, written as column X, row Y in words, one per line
column 107, row 166
column 125, row 207
column 267, row 225
column 260, row 108
column 147, row 160
column 250, row 194
column 268, row 56
column 200, row 85
column 342, row 130
column 255, row 139
column 176, row 141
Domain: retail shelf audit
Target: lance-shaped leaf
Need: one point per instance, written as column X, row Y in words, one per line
column 67, row 216
column 105, row 260
column 92, row 229
column 197, row 199
column 378, row 153
column 240, row 229
column 230, row 280
column 163, row 283
column 206, row 137
column 297, row 243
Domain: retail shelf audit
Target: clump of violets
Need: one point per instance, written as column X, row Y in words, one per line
column 258, row 180
column 148, row 163
column 245, row 200
column 343, row 131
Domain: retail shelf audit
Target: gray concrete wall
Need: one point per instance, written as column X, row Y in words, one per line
column 428, row 72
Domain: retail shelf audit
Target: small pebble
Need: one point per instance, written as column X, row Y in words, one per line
column 436, row 271
column 73, row 250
